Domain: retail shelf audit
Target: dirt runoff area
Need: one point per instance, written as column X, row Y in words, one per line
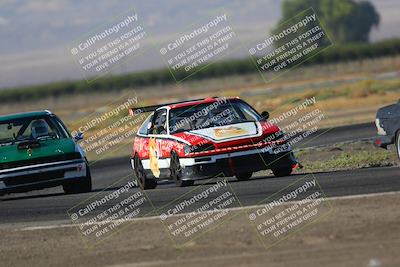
column 358, row 231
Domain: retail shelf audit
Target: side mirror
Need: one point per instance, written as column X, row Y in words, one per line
column 78, row 136
column 265, row 115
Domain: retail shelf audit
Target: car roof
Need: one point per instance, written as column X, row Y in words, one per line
column 24, row 115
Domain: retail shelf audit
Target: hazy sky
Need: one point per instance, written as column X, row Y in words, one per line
column 35, row 34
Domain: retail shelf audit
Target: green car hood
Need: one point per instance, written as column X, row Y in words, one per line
column 48, row 148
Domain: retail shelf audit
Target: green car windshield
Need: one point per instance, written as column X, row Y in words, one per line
column 31, row 128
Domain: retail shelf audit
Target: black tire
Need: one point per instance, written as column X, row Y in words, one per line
column 82, row 185
column 244, row 176
column 281, row 172
column 398, row 143
column 176, row 172
column 140, row 173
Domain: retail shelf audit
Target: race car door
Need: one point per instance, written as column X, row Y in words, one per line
column 157, row 130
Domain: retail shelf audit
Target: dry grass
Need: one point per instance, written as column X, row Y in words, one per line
column 346, row 157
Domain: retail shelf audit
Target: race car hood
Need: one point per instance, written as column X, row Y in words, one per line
column 240, row 136
column 229, row 132
column 48, row 148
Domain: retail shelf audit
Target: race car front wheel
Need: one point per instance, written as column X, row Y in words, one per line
column 144, row 182
column 82, row 185
column 176, row 172
column 280, row 172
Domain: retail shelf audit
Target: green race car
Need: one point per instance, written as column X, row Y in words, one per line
column 37, row 151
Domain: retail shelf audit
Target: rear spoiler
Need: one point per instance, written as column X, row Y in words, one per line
column 139, row 110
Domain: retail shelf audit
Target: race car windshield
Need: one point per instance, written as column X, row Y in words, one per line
column 211, row 115
column 24, row 129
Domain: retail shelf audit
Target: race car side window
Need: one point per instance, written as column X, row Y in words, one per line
column 247, row 111
column 159, row 122
column 60, row 124
column 145, row 125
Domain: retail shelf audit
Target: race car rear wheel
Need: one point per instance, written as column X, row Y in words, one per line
column 140, row 173
column 244, row 176
column 176, row 172
column 280, row 172
column 398, row 143
column 82, row 185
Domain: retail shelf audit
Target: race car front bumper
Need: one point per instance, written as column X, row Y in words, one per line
column 232, row 164
column 39, row 176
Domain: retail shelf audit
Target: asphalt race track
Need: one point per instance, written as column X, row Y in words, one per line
column 341, row 134
column 50, row 206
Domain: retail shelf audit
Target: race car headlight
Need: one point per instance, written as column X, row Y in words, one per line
column 187, row 149
column 381, row 131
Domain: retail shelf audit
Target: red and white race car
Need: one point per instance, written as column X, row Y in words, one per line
column 205, row 138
